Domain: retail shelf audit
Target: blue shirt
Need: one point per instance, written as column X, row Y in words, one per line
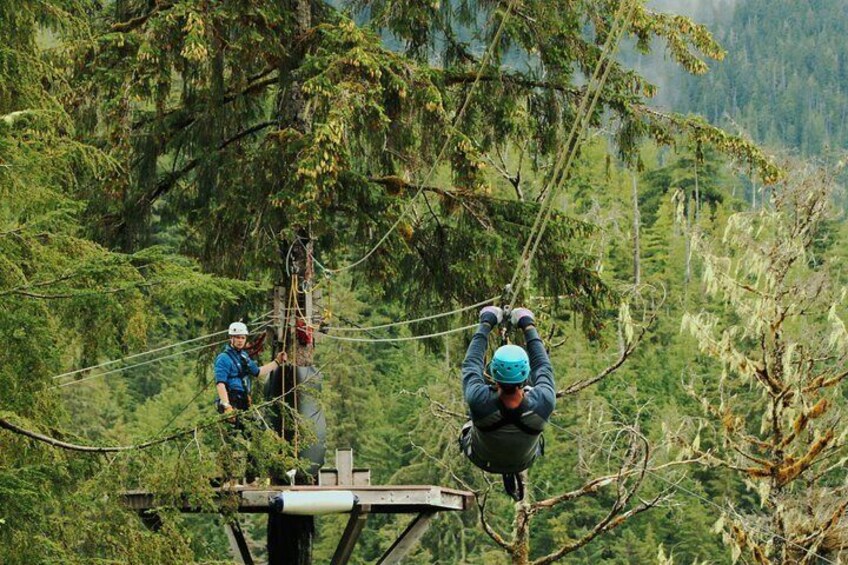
column 234, row 368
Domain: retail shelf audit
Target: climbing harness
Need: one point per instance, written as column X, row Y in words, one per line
column 510, row 417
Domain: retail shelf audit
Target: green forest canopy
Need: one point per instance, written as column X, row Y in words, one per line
column 156, row 158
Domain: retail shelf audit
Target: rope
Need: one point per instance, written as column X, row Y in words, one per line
column 564, row 159
column 391, row 339
column 483, row 62
column 406, row 322
column 148, row 362
column 707, row 501
column 156, row 350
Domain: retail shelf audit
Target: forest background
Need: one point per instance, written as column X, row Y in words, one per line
column 156, row 157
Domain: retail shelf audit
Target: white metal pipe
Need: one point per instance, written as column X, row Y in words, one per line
column 314, row 503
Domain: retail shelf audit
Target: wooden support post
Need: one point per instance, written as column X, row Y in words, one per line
column 238, row 543
column 358, row 517
column 407, row 540
column 290, row 539
column 344, row 466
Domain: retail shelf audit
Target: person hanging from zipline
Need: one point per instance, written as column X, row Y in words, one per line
column 234, row 371
column 504, row 435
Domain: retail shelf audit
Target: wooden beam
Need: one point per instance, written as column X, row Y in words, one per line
column 388, row 499
column 344, row 466
column 358, row 517
column 407, row 540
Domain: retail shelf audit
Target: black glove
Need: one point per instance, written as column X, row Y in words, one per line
column 522, row 317
column 491, row 315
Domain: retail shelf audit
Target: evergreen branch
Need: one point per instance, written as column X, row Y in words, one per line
column 5, row 423
column 705, row 132
column 167, row 182
column 573, row 93
column 118, row 261
column 140, row 20
column 66, row 295
column 396, row 183
column 187, row 116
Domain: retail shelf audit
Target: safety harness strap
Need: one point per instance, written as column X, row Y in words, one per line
column 241, row 363
column 509, row 417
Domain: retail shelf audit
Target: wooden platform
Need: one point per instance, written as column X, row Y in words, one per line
column 391, row 499
column 423, row 501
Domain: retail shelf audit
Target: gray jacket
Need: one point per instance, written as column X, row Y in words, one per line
column 508, row 448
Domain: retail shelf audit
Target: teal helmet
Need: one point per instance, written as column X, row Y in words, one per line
column 510, row 365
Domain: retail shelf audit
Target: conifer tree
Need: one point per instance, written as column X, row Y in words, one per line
column 780, row 346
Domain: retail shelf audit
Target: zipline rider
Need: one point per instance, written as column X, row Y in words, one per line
column 234, row 369
column 504, row 435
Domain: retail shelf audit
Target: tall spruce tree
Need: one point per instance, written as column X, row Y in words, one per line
column 66, row 301
column 244, row 128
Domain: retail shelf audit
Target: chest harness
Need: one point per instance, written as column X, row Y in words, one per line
column 241, row 363
column 509, row 416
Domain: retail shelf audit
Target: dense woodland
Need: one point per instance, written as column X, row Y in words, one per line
column 159, row 160
column 783, row 82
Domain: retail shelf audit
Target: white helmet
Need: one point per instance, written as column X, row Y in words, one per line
column 237, row 328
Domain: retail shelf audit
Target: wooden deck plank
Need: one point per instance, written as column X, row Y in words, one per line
column 382, row 499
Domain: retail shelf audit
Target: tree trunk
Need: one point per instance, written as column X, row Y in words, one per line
column 687, row 276
column 637, row 264
column 291, row 110
column 290, row 537
column 521, row 530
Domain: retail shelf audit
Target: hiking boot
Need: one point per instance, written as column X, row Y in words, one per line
column 514, row 486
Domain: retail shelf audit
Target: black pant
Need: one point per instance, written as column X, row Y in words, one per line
column 239, row 399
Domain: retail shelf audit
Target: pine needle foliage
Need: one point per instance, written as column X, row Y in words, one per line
column 245, row 129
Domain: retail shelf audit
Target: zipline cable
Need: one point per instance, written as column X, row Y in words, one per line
column 156, row 350
column 707, row 501
column 141, row 364
column 483, row 62
column 149, row 361
column 392, row 339
column 406, row 322
column 566, row 157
